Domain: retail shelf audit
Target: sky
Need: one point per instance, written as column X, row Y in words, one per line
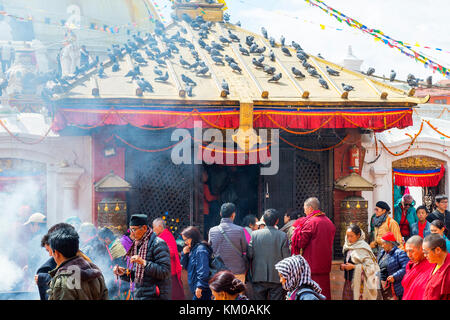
column 424, row 22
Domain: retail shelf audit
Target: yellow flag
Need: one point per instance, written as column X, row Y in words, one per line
column 224, row 4
column 322, row 26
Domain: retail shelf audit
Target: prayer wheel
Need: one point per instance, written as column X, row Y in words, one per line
column 112, row 213
column 354, row 209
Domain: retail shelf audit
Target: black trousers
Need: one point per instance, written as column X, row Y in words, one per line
column 268, row 291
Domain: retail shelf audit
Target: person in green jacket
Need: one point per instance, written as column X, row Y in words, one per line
column 74, row 278
column 405, row 215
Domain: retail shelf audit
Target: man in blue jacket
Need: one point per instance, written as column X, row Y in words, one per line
column 405, row 215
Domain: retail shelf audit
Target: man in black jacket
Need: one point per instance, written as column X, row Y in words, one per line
column 441, row 212
column 151, row 258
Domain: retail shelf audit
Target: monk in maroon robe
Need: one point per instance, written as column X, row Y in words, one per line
column 313, row 239
column 418, row 270
column 435, row 250
column 159, row 227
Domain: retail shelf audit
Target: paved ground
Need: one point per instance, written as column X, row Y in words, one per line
column 337, row 282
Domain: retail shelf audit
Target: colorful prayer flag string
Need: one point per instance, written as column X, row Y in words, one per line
column 379, row 35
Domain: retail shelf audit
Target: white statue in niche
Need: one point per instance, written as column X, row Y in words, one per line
column 70, row 57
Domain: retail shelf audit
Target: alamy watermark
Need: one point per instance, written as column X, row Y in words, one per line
column 267, row 151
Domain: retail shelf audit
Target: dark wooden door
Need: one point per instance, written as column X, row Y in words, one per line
column 160, row 188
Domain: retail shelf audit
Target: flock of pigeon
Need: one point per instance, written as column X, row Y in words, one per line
column 160, row 47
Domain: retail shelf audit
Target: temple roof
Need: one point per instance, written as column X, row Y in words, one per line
column 251, row 85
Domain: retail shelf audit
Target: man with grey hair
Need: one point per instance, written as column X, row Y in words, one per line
column 160, row 229
column 313, row 238
column 405, row 215
column 418, row 270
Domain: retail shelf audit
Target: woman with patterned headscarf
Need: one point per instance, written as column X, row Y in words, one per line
column 295, row 277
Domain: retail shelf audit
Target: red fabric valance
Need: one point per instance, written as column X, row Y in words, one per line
column 415, row 178
column 306, row 118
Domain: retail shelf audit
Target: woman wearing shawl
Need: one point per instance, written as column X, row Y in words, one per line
column 360, row 267
column 295, row 277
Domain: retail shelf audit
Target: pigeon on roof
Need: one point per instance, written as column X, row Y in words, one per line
column 163, row 78
column 243, row 50
column 276, row 77
column 256, row 63
column 195, row 65
column 233, row 37
column 264, row 32
column 225, row 86
column 296, row 46
column 215, row 52
column 202, row 71
column 272, row 42
column 269, row 69
column 260, row 50
column 282, row 40
column 332, row 71
column 157, row 71
column 188, row 80
column 161, row 62
column 392, row 76
column 224, row 40
column 140, row 60
column 271, row 55
column 144, row 85
column 297, row 72
column 323, row 83
column 184, row 63
column 235, row 67
column 188, row 90
column 260, row 59
column 133, row 73
column 217, row 46
column 306, row 65
column 201, row 43
column 217, row 60
column 370, row 71
column 253, row 48
column 115, row 67
column 286, row 51
column 229, row 59
column 347, row 87
column 313, row 72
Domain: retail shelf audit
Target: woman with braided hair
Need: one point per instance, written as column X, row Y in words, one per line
column 295, row 277
column 225, row 286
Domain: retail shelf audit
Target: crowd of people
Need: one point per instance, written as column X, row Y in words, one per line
column 404, row 257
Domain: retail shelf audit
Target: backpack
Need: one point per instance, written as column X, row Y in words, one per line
column 307, row 289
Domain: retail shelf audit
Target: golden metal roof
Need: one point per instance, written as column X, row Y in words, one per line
column 249, row 86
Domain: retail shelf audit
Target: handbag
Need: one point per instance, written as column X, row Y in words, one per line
column 216, row 264
column 244, row 256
